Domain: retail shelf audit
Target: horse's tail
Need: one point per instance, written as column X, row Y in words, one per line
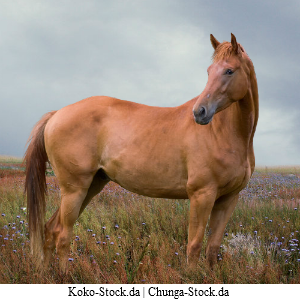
column 35, row 185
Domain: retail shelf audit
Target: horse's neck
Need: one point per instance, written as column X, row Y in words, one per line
column 238, row 122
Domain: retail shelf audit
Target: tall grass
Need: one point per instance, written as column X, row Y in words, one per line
column 126, row 238
column 10, row 159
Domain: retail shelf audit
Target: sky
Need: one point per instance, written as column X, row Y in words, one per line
column 156, row 52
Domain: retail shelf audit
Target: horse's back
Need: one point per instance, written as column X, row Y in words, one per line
column 138, row 146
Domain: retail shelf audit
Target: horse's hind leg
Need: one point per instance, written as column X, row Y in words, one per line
column 51, row 232
column 59, row 229
column 69, row 212
column 98, row 183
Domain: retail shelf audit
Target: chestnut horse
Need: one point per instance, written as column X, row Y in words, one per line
column 153, row 151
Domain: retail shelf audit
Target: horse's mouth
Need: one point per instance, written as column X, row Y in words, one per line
column 202, row 121
column 206, row 122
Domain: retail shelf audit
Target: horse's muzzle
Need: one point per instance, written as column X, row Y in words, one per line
column 202, row 116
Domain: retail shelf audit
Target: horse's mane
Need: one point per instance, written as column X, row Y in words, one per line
column 224, row 51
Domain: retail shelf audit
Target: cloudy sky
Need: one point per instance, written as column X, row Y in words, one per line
column 156, row 52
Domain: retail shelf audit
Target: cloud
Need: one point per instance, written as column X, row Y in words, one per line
column 275, row 139
column 58, row 54
column 153, row 52
column 91, row 48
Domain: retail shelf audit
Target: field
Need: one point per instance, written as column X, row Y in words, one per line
column 126, row 238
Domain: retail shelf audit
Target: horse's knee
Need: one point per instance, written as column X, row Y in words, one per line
column 51, row 231
column 212, row 255
column 194, row 248
column 193, row 253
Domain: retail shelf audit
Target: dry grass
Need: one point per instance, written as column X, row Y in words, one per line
column 126, row 238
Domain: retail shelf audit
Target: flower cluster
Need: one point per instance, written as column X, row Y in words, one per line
column 14, row 234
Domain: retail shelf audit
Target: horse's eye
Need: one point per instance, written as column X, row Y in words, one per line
column 229, row 72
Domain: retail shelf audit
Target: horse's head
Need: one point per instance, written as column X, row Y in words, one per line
column 228, row 80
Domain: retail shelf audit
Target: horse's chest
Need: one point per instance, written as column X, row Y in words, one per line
column 234, row 180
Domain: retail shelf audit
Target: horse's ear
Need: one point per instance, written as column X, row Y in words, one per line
column 235, row 46
column 215, row 43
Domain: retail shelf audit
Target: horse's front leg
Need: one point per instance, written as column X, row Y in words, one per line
column 220, row 215
column 201, row 204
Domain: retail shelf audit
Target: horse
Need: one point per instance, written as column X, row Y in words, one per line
column 201, row 150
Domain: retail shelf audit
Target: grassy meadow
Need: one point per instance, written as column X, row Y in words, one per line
column 125, row 238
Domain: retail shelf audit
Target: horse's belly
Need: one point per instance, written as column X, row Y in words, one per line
column 155, row 189
column 149, row 165
column 149, row 179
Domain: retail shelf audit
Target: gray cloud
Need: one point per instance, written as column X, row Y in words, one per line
column 154, row 52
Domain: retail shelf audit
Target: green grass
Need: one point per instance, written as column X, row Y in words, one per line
column 126, row 238
column 279, row 169
column 10, row 159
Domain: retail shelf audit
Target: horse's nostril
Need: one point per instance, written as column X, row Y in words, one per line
column 200, row 114
column 202, row 111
